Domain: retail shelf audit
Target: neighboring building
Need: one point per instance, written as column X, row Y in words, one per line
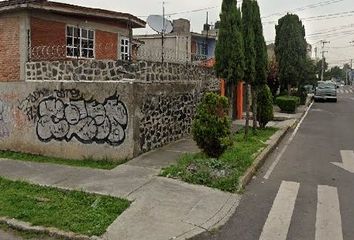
column 181, row 45
column 271, row 51
column 38, row 30
column 309, row 50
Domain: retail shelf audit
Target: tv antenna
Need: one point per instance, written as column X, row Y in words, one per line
column 162, row 26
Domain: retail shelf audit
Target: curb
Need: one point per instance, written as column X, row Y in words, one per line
column 52, row 232
column 261, row 158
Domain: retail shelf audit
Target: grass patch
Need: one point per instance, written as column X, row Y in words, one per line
column 87, row 162
column 74, row 211
column 222, row 173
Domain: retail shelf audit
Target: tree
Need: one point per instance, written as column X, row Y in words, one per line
column 250, row 53
column 309, row 72
column 337, row 73
column 319, row 68
column 211, row 126
column 229, row 52
column 290, row 50
column 265, row 105
column 273, row 79
column 261, row 58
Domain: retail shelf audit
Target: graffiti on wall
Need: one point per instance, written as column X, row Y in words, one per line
column 29, row 105
column 88, row 121
column 4, row 120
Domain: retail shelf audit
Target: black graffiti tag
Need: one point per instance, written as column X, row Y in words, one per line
column 30, row 103
column 87, row 121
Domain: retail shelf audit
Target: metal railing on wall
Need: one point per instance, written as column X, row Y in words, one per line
column 153, row 53
column 62, row 52
column 145, row 53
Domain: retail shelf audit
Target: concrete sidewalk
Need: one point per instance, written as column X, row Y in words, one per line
column 162, row 208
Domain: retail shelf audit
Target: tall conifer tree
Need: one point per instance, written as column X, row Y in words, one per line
column 290, row 50
column 261, row 58
column 250, row 53
column 229, row 52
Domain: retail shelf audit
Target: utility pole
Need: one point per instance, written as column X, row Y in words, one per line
column 323, row 57
column 163, row 34
column 350, row 79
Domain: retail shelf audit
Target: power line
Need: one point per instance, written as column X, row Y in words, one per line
column 320, row 4
column 322, row 17
column 187, row 11
column 315, row 5
column 343, row 47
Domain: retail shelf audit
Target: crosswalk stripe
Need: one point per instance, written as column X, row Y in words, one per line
column 350, row 91
column 328, row 218
column 341, row 91
column 279, row 217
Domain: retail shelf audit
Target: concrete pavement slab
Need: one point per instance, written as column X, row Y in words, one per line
column 119, row 182
column 165, row 156
column 174, row 209
column 8, row 235
column 161, row 209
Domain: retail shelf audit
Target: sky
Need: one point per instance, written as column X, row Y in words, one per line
column 329, row 20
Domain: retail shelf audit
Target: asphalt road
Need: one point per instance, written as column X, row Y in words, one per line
column 310, row 192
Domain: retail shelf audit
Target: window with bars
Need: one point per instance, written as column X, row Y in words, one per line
column 80, row 42
column 124, row 48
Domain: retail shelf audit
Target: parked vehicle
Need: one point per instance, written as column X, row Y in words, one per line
column 309, row 88
column 326, row 91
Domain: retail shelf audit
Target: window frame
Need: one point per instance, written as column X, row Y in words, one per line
column 80, row 56
column 202, row 49
column 121, row 53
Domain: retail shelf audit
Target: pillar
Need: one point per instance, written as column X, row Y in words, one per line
column 239, row 100
column 222, row 87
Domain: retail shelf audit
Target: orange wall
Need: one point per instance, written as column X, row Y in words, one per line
column 239, row 96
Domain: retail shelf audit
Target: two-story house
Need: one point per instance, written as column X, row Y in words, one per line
column 38, row 30
column 181, row 45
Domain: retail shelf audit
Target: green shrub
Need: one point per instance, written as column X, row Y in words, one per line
column 288, row 104
column 265, row 106
column 211, row 126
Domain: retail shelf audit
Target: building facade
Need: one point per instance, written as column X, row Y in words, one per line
column 181, row 45
column 39, row 30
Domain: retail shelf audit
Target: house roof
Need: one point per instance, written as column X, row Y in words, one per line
column 69, row 9
column 201, row 35
column 173, row 35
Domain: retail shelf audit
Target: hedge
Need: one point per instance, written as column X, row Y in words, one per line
column 288, row 104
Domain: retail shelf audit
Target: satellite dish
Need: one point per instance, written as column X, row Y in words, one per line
column 157, row 22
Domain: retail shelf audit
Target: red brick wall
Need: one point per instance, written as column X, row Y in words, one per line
column 47, row 40
column 51, row 33
column 9, row 49
column 106, row 45
column 194, row 47
column 47, row 33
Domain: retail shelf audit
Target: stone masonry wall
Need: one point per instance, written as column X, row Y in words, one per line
column 166, row 118
column 105, row 70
